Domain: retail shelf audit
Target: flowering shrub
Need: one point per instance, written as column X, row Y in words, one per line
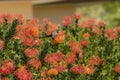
column 74, row 50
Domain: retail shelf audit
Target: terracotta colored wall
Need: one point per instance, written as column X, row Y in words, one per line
column 22, row 7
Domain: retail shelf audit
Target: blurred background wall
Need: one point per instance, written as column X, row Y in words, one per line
column 106, row 10
column 21, row 7
column 55, row 10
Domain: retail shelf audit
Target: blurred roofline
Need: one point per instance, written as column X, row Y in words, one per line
column 50, row 2
column 38, row 2
column 69, row 1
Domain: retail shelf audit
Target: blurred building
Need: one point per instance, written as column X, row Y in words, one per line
column 26, row 7
column 53, row 9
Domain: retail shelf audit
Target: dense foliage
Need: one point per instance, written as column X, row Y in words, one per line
column 71, row 51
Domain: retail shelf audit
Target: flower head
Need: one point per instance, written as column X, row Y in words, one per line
column 28, row 33
column 28, row 41
column 84, row 42
column 118, row 29
column 51, row 28
column 75, row 47
column 59, row 37
column 94, row 60
column 78, row 69
column 96, row 30
column 1, row 44
column 86, row 35
column 111, row 33
column 66, row 21
column 61, row 68
column 7, row 67
column 77, row 16
column 7, row 17
column 23, row 73
column 89, row 70
column 88, row 23
column 37, row 41
column 20, row 18
column 31, row 28
column 117, row 69
column 43, row 73
column 31, row 52
column 70, row 58
column 52, row 72
column 51, row 58
column 35, row 63
column 101, row 23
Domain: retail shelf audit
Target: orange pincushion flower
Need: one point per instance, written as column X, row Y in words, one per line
column 34, row 22
column 35, row 63
column 1, row 44
column 33, row 26
column 20, row 18
column 52, row 72
column 117, row 69
column 91, row 22
column 51, row 28
column 9, row 17
column 19, row 34
column 87, row 23
column 78, row 69
column 55, row 63
column 96, row 30
column 111, row 34
column 31, row 30
column 118, row 29
column 61, row 68
column 89, row 70
column 23, row 73
column 2, row 21
column 31, row 52
column 43, row 73
column 35, row 31
column 37, row 41
column 75, row 47
column 84, row 42
column 28, row 33
column 59, row 56
column 28, row 41
column 77, row 16
column 43, row 28
column 94, row 60
column 101, row 23
column 60, row 37
column 66, row 21
column 7, row 67
column 51, row 58
column 86, row 35
column 70, row 58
